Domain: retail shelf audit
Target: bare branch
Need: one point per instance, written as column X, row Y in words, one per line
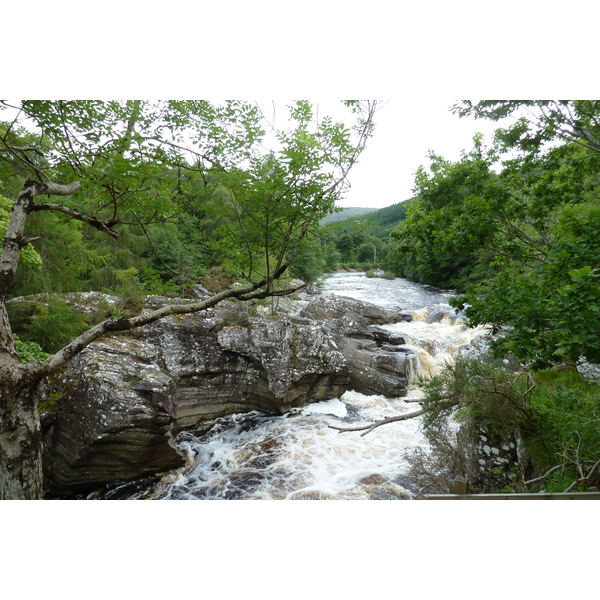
column 591, row 471
column 57, row 189
column 546, row 474
column 11, row 148
column 74, row 214
column 372, row 426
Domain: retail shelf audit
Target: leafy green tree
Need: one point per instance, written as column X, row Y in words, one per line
column 55, row 326
column 548, row 313
column 537, row 122
column 520, row 239
column 310, row 261
column 451, row 220
column 118, row 164
column 331, row 255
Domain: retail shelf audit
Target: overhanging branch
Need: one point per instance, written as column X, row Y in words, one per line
column 371, row 426
column 56, row 361
column 104, row 227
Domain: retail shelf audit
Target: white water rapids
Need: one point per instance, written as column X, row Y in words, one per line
column 297, row 455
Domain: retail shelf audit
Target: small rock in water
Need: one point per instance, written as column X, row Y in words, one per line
column 374, row 479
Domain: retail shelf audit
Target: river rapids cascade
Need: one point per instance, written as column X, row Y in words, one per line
column 298, row 455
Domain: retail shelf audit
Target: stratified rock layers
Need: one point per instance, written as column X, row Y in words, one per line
column 121, row 401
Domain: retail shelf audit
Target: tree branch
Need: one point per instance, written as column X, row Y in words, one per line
column 75, row 214
column 372, row 426
column 542, row 477
column 55, row 362
column 584, row 478
column 11, row 148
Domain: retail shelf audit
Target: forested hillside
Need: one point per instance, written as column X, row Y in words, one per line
column 359, row 242
column 346, row 213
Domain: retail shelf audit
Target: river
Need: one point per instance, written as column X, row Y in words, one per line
column 297, row 455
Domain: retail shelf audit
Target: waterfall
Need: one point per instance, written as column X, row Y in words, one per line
column 435, row 335
column 298, row 455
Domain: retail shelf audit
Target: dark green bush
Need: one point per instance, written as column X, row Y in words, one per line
column 554, row 413
column 55, row 326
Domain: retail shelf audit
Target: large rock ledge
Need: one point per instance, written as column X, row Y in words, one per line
column 116, row 407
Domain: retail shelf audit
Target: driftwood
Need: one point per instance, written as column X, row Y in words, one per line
column 370, row 427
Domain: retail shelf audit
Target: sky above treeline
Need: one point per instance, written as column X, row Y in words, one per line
column 405, row 130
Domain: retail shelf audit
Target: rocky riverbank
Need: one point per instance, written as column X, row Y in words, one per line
column 113, row 413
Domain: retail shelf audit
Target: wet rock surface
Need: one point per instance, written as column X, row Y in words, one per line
column 120, row 403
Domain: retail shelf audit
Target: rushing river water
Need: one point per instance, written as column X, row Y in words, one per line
column 297, row 455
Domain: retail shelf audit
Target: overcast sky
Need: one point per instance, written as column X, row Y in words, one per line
column 405, row 130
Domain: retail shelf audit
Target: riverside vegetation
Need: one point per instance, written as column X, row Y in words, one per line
column 156, row 197
column 514, row 227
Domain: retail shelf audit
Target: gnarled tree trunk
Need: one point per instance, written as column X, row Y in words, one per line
column 20, row 435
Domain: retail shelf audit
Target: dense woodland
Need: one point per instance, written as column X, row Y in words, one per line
column 513, row 227
column 153, row 197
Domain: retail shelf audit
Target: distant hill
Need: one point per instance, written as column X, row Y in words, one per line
column 346, row 213
column 386, row 219
column 377, row 222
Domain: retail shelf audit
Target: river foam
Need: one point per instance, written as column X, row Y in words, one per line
column 299, row 455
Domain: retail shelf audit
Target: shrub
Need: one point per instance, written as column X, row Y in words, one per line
column 29, row 351
column 56, row 326
column 554, row 413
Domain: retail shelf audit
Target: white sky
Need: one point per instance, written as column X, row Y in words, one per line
column 405, row 130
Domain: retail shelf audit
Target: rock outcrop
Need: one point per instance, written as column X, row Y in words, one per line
column 376, row 360
column 117, row 406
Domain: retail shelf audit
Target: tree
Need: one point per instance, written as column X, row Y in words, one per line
column 120, row 163
column 520, row 240
column 537, row 122
column 450, row 225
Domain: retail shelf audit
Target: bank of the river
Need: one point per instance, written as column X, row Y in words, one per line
column 298, row 455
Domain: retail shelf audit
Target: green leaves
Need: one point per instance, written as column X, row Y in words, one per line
column 553, row 413
column 521, row 240
column 450, row 219
column 274, row 201
column 141, row 163
column 29, row 351
column 540, row 121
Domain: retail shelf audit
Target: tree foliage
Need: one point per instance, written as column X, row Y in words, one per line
column 517, row 235
column 537, row 122
column 130, row 170
column 171, row 190
column 553, row 414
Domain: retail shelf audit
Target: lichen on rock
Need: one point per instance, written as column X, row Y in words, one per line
column 125, row 396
